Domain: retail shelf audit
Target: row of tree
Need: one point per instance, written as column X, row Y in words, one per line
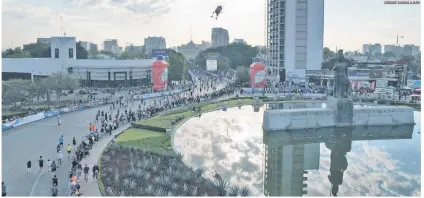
column 230, row 56
column 19, row 90
column 413, row 63
column 39, row 50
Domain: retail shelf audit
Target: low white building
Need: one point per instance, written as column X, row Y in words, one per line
column 96, row 73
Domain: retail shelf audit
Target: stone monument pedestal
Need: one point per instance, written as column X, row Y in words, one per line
column 343, row 109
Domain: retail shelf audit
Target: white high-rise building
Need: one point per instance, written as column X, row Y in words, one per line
column 220, row 37
column 152, row 43
column 110, row 45
column 295, row 31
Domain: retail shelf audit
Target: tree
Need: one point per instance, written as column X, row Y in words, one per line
column 132, row 54
column 242, row 74
column 223, row 63
column 327, row 54
column 38, row 89
column 93, row 51
column 59, row 82
column 81, row 52
column 389, row 54
column 238, row 54
column 15, row 90
column 178, row 66
column 38, row 50
column 16, row 53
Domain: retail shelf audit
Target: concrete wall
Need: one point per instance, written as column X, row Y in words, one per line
column 298, row 118
column 382, row 115
column 287, row 119
column 47, row 66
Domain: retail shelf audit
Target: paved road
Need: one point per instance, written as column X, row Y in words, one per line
column 30, row 141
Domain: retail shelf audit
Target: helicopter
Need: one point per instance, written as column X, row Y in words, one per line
column 216, row 12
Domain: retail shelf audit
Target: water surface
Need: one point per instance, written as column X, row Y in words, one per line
column 365, row 161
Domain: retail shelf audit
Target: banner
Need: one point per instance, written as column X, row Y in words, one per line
column 29, row 119
column 48, row 114
column 376, row 74
column 356, row 73
column 160, row 52
column 158, row 94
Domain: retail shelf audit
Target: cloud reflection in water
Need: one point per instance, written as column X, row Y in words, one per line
column 231, row 143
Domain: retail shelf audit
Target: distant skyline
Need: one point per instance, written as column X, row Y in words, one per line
column 347, row 24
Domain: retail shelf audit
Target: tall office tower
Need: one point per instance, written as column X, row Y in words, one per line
column 110, row 45
column 220, row 37
column 285, row 166
column 295, row 30
column 372, row 49
column 154, row 43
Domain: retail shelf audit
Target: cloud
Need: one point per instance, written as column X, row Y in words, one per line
column 138, row 8
column 372, row 170
column 27, row 12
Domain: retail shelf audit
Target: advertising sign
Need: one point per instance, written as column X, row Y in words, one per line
column 257, row 75
column 356, row 73
column 160, row 52
column 211, row 65
column 159, row 74
column 381, row 83
column 376, row 74
column 417, row 84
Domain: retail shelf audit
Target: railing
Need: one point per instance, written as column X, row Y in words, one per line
column 292, row 105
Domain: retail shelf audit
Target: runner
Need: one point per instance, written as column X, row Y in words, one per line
column 79, row 171
column 58, row 148
column 49, row 165
column 41, row 163
column 58, row 119
column 61, row 141
column 53, row 167
column 3, row 189
column 86, row 171
column 95, row 171
column 74, row 142
column 54, row 190
column 54, row 180
column 69, row 149
column 29, row 166
column 59, row 158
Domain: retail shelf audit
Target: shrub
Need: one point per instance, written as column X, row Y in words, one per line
column 245, row 192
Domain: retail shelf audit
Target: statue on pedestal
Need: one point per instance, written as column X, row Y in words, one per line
column 341, row 79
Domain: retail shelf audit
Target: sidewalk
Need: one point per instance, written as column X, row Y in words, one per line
column 91, row 188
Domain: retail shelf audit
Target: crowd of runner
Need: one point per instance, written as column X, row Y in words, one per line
column 207, row 86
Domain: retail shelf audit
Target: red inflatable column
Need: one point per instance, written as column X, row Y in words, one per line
column 160, row 74
column 257, row 74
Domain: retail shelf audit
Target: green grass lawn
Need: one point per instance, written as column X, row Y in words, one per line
column 164, row 121
column 136, row 134
column 158, row 144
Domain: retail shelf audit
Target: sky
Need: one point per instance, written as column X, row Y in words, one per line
column 347, row 23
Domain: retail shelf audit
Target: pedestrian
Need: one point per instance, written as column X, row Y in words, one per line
column 54, row 190
column 74, row 142
column 28, row 166
column 3, row 189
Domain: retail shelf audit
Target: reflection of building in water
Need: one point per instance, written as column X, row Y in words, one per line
column 285, row 166
column 289, row 153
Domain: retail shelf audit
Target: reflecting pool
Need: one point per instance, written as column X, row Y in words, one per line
column 367, row 161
